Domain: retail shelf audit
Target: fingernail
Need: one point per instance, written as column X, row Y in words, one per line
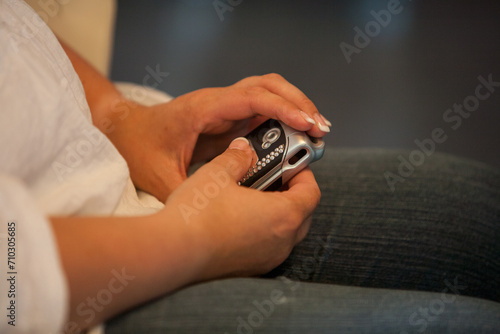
column 321, row 124
column 240, row 143
column 307, row 117
column 327, row 122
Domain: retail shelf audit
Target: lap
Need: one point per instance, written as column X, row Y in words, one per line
column 376, row 257
column 279, row 306
column 442, row 223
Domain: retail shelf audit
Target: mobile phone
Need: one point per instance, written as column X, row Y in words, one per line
column 281, row 152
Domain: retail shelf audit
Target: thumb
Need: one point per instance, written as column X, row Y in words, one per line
column 236, row 159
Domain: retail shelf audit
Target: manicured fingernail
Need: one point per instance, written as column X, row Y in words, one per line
column 321, row 124
column 307, row 117
column 240, row 143
column 327, row 122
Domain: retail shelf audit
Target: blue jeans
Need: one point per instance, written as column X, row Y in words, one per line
column 398, row 245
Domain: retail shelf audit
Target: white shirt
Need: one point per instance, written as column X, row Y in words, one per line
column 52, row 161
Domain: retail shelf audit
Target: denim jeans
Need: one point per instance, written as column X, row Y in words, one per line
column 401, row 243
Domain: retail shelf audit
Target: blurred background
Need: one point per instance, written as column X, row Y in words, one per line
column 384, row 89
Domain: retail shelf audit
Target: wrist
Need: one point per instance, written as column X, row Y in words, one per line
column 111, row 111
column 188, row 252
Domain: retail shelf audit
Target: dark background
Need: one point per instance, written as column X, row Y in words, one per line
column 394, row 91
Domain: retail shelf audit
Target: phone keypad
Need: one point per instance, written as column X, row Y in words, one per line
column 263, row 163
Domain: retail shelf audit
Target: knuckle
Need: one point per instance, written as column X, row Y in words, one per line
column 305, row 101
column 273, row 77
column 281, row 112
column 240, row 82
column 317, row 195
column 247, row 81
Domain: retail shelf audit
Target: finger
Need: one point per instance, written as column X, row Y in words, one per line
column 303, row 229
column 304, row 191
column 278, row 85
column 257, row 101
column 235, row 161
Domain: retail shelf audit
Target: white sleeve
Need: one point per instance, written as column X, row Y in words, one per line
column 33, row 291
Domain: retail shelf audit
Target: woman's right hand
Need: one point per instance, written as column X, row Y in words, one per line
column 238, row 231
column 210, row 228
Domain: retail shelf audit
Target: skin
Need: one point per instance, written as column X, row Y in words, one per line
column 174, row 248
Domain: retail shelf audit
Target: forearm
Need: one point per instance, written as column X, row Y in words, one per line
column 184, row 243
column 102, row 96
column 115, row 263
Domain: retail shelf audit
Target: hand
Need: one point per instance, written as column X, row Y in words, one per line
column 241, row 231
column 160, row 142
column 226, row 113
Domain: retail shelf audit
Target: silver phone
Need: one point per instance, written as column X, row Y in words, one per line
column 281, row 152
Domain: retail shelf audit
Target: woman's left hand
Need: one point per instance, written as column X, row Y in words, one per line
column 160, row 142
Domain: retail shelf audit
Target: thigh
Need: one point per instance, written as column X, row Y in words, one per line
column 387, row 219
column 283, row 306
